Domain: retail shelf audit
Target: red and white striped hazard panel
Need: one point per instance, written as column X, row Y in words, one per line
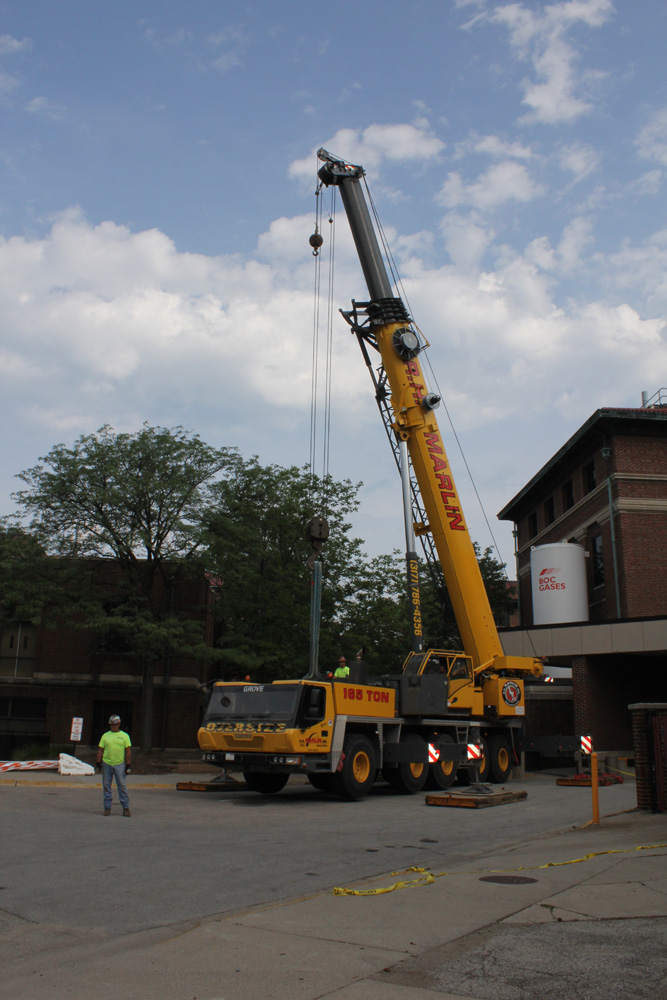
column 474, row 751
column 587, row 744
column 28, row 765
column 433, row 754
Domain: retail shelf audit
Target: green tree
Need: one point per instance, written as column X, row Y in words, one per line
column 502, row 597
column 27, row 579
column 258, row 548
column 138, row 499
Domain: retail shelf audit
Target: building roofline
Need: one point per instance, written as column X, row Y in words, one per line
column 605, row 420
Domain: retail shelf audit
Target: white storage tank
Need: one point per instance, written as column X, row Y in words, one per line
column 558, row 576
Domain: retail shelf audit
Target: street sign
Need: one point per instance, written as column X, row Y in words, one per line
column 77, row 728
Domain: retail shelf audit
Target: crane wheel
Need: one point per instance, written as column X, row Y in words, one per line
column 501, row 758
column 357, row 775
column 408, row 779
column 443, row 774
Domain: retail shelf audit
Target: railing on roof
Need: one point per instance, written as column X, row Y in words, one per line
column 658, row 398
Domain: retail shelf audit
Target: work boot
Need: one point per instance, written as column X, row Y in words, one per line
column 107, row 812
column 126, row 812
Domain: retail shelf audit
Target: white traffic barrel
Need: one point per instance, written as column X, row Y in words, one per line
column 558, row 576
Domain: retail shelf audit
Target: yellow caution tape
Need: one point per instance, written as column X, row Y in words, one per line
column 630, row 774
column 426, row 880
column 429, row 877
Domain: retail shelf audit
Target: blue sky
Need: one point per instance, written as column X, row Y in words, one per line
column 158, row 168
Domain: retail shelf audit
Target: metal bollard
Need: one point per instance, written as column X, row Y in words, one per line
column 594, row 786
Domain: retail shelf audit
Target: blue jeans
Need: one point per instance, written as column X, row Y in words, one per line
column 109, row 772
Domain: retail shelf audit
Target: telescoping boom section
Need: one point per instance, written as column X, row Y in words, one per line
column 389, row 330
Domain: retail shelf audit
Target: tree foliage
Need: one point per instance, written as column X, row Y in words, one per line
column 258, row 548
column 27, row 578
column 139, row 499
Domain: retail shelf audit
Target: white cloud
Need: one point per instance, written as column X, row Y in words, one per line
column 102, row 322
column 502, row 182
column 466, row 239
column 493, row 145
column 652, row 139
column 43, row 106
column 642, row 269
column 10, row 45
column 579, row 159
column 554, row 94
column 375, row 145
column 7, row 83
column 577, row 235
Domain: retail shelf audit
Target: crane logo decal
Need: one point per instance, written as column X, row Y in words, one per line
column 511, row 693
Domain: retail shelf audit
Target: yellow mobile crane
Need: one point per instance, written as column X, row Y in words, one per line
column 413, row 727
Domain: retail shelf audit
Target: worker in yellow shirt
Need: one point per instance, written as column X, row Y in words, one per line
column 114, row 759
column 342, row 670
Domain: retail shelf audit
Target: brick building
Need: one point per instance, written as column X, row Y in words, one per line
column 606, row 490
column 50, row 675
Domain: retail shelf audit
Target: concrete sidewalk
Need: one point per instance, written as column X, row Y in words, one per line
column 54, row 780
column 580, row 912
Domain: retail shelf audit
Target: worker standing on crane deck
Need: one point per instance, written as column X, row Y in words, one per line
column 342, row 670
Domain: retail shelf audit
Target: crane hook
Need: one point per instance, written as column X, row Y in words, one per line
column 316, row 241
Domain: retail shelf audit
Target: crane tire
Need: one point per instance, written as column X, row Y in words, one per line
column 501, row 758
column 357, row 775
column 443, row 774
column 408, row 779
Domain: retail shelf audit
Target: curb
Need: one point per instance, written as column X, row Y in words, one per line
column 65, row 784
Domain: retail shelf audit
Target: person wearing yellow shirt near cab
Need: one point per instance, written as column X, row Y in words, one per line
column 342, row 670
column 114, row 760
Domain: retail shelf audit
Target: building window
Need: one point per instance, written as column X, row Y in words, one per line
column 549, row 512
column 532, row 524
column 598, row 561
column 23, row 708
column 590, row 481
column 568, row 495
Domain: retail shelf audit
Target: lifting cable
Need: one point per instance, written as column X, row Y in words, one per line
column 321, row 361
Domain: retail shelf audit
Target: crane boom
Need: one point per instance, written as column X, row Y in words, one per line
column 389, row 329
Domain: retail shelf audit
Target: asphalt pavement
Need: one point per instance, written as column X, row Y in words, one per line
column 580, row 911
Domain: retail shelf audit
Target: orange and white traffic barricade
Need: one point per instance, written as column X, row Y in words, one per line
column 28, row 765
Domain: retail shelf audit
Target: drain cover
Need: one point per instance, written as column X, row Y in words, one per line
column 508, row 879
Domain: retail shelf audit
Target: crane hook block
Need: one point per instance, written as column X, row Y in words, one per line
column 316, row 241
column 317, row 532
